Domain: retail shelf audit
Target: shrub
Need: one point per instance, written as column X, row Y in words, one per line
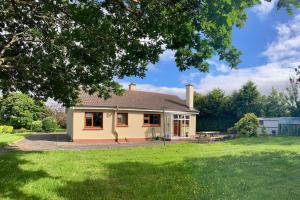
column 248, row 125
column 21, row 130
column 37, row 126
column 232, row 130
column 6, row 129
column 49, row 124
column 264, row 131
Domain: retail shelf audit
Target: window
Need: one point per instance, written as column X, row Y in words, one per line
column 186, row 123
column 93, row 120
column 261, row 122
column 122, row 119
column 151, row 119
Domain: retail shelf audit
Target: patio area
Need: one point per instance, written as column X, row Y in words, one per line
column 60, row 141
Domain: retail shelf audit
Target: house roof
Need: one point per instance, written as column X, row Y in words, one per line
column 136, row 100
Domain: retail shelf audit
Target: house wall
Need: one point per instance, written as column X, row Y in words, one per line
column 135, row 131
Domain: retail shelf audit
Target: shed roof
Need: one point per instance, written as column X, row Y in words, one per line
column 289, row 120
column 282, row 120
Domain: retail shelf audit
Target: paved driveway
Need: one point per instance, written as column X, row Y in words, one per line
column 59, row 141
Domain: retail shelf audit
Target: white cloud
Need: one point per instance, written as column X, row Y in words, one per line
column 265, row 76
column 264, row 8
column 191, row 78
column 220, row 67
column 287, row 45
column 152, row 67
column 160, row 89
column 167, row 55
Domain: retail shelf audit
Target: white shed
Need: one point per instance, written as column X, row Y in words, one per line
column 280, row 125
column 271, row 125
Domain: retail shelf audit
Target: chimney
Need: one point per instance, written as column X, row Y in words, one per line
column 190, row 96
column 132, row 87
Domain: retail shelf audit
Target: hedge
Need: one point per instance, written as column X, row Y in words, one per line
column 6, row 129
column 37, row 126
column 210, row 123
column 49, row 124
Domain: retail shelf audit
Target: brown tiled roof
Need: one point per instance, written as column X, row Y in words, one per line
column 136, row 100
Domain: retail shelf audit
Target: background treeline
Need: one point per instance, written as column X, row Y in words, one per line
column 25, row 113
column 218, row 111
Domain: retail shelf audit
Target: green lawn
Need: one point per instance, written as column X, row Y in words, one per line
column 256, row 168
column 6, row 139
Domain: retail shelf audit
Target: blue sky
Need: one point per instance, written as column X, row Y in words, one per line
column 270, row 45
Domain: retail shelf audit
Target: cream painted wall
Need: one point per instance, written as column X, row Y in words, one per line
column 193, row 126
column 135, row 128
column 79, row 132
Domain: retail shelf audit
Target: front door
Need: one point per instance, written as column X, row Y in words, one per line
column 176, row 124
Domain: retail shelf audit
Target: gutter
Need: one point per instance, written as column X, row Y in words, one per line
column 132, row 109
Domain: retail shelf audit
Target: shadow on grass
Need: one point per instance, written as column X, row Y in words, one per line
column 13, row 177
column 269, row 140
column 254, row 176
column 265, row 175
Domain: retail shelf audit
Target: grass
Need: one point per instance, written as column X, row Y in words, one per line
column 6, row 139
column 60, row 130
column 255, row 168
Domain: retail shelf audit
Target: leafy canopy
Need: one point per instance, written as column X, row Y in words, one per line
column 55, row 48
column 20, row 110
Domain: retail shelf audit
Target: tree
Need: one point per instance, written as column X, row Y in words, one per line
column 247, row 100
column 55, row 48
column 215, row 110
column 20, row 110
column 276, row 105
column 58, row 112
column 292, row 97
column 213, row 104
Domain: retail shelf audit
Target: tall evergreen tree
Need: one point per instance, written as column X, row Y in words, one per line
column 276, row 105
column 247, row 100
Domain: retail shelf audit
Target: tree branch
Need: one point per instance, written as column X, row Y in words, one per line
column 14, row 39
column 136, row 13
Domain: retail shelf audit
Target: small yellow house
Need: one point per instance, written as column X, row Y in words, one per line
column 134, row 116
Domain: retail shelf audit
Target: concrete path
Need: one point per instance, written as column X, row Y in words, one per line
column 59, row 141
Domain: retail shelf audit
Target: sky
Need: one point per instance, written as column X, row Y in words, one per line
column 270, row 46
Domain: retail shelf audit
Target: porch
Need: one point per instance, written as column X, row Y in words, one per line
column 177, row 126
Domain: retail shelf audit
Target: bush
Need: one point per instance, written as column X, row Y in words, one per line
column 6, row 129
column 232, row 130
column 49, row 124
column 37, row 126
column 21, row 130
column 264, row 131
column 247, row 126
